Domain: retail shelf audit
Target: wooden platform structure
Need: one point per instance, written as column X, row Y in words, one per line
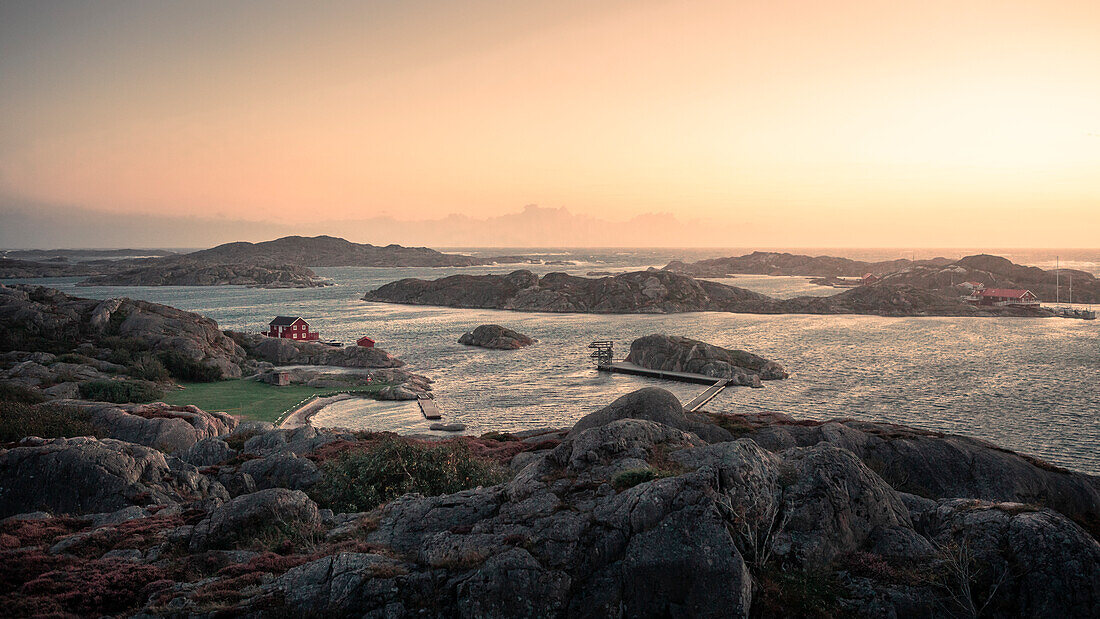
column 429, row 408
column 625, row 367
column 716, row 384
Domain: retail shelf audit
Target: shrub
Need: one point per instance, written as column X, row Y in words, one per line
column 147, row 367
column 633, row 477
column 18, row 420
column 800, row 593
column 360, row 481
column 13, row 392
column 185, row 368
column 119, row 391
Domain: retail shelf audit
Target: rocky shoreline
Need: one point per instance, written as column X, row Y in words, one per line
column 638, row 509
column 61, row 347
column 665, row 292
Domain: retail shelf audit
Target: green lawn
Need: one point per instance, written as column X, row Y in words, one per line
column 247, row 398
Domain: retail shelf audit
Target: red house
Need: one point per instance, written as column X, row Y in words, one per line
column 1004, row 297
column 365, row 342
column 290, row 327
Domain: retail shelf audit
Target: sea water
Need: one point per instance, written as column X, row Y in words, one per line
column 1027, row 384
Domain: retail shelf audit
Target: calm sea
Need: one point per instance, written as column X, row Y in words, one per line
column 1027, row 384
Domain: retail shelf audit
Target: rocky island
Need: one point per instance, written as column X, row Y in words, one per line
column 937, row 274
column 190, row 272
column 777, row 263
column 640, row 509
column 497, row 337
column 681, row 354
column 665, row 292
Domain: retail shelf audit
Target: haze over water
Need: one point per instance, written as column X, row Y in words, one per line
column 1026, row 384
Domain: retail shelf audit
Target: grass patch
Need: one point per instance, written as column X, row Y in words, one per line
column 18, row 420
column 362, row 480
column 248, row 398
column 633, row 477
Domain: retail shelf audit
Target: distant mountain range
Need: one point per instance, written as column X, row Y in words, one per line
column 328, row 251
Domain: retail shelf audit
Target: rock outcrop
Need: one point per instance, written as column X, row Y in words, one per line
column 36, row 318
column 652, row 292
column 665, row 292
column 171, row 429
column 285, row 351
column 496, row 337
column 640, row 509
column 243, row 516
column 87, row 475
column 681, row 354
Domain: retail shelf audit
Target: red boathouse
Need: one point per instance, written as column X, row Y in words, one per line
column 365, row 342
column 291, row 327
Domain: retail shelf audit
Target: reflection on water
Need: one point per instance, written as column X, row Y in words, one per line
column 1027, row 384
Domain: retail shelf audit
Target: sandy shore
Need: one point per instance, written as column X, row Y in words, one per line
column 304, row 413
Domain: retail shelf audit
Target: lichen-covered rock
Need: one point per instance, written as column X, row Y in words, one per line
column 941, row 466
column 207, row 452
column 497, row 337
column 57, row 317
column 171, row 429
column 1015, row 559
column 87, row 475
column 242, row 517
column 284, row 470
column 652, row 404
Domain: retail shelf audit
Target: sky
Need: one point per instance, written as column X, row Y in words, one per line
column 771, row 123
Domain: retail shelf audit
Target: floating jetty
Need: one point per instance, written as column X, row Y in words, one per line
column 429, row 408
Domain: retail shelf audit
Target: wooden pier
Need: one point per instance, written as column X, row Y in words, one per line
column 429, row 408
column 604, row 362
column 625, row 367
column 716, row 384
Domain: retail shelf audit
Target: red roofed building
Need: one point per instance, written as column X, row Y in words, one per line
column 1004, row 297
column 291, row 327
column 365, row 342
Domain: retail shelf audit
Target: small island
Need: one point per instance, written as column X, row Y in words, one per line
column 496, row 337
column 666, row 292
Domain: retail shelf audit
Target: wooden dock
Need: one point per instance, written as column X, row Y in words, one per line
column 429, row 408
column 624, row 367
column 716, row 384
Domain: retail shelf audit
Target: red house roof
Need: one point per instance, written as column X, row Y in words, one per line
column 285, row 321
column 1008, row 293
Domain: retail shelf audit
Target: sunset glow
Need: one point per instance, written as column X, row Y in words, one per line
column 854, row 123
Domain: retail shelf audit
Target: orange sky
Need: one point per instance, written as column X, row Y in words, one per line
column 828, row 117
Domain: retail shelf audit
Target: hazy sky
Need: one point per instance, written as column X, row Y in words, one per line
column 811, row 123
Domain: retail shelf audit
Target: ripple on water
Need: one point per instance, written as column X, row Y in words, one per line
column 1026, row 384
